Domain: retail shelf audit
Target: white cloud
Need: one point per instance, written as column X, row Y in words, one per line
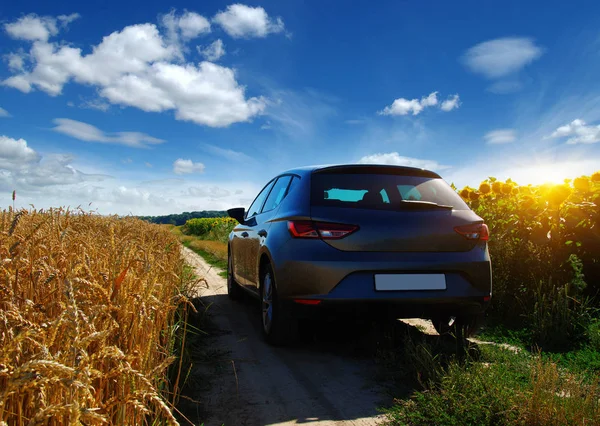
column 15, row 154
column 228, row 154
column 300, row 114
column 135, row 196
column 54, row 169
column 55, row 180
column 19, row 82
column 98, row 104
column 244, row 21
column 212, row 52
column 402, row 106
column 185, row 27
column 395, row 159
column 67, row 19
column 505, row 86
column 148, row 165
column 451, row 103
column 122, row 196
column 15, row 61
column 33, row 27
column 87, row 132
column 138, row 67
column 192, row 25
column 4, row 113
column 501, row 57
column 208, row 191
column 21, row 167
column 500, row 136
column 578, row 132
column 181, row 167
column 430, row 100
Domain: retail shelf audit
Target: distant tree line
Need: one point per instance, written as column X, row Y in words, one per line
column 182, row 218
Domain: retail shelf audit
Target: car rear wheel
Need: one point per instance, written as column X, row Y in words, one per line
column 461, row 327
column 233, row 288
column 278, row 325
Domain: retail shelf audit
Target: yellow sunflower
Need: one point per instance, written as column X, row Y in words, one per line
column 558, row 194
column 507, row 188
column 497, row 187
column 582, row 184
column 485, row 188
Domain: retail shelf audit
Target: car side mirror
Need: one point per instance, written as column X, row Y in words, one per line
column 239, row 213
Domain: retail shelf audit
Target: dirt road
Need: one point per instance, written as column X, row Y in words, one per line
column 322, row 382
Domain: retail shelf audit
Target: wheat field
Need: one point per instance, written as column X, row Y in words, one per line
column 88, row 319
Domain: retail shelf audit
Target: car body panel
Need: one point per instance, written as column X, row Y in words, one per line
column 394, row 231
column 342, row 271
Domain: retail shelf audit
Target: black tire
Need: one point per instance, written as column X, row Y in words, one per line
column 234, row 291
column 279, row 326
column 464, row 326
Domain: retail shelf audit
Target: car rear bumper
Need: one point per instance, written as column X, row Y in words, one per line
column 389, row 309
column 315, row 270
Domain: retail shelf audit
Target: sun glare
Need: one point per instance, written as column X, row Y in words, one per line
column 547, row 173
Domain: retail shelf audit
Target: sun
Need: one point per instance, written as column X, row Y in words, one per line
column 537, row 175
column 548, row 173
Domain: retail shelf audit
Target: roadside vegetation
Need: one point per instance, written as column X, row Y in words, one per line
column 92, row 319
column 181, row 218
column 490, row 386
column 545, row 249
column 208, row 238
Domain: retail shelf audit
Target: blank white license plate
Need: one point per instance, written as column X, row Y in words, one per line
column 391, row 282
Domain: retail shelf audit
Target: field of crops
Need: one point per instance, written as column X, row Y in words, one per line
column 545, row 248
column 89, row 311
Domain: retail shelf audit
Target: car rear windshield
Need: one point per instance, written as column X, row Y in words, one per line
column 382, row 191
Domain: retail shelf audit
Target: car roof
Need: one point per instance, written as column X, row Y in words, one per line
column 363, row 168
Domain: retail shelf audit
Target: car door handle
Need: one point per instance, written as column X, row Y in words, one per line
column 245, row 234
column 262, row 233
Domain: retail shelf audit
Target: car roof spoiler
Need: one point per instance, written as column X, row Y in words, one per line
column 377, row 169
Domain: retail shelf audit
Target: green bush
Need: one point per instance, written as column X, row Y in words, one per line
column 593, row 334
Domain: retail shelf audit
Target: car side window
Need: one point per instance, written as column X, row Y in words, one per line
column 256, row 206
column 277, row 193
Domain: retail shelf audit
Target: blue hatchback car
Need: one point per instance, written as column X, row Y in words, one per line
column 377, row 240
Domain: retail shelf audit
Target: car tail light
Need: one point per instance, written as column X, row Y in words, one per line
column 323, row 230
column 307, row 301
column 474, row 231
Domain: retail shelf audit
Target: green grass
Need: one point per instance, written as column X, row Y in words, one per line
column 583, row 359
column 499, row 334
column 210, row 258
column 495, row 387
column 213, row 252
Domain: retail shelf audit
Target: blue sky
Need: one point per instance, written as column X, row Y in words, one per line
column 152, row 109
